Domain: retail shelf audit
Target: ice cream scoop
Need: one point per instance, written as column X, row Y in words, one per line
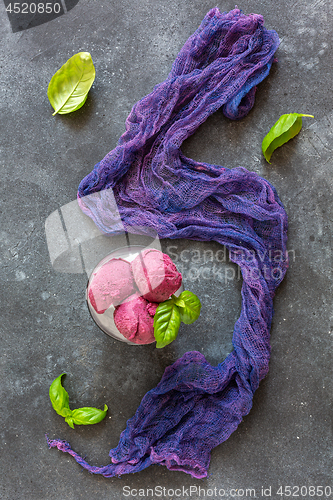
column 155, row 275
column 134, row 318
column 110, row 285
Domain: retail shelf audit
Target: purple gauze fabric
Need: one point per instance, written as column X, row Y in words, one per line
column 196, row 406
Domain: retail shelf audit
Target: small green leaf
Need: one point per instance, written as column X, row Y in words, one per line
column 59, row 397
column 178, row 301
column 69, row 86
column 166, row 323
column 282, row 131
column 69, row 421
column 191, row 311
column 88, row 415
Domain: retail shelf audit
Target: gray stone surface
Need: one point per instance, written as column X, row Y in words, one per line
column 46, row 329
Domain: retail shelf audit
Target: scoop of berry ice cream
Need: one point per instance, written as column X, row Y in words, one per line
column 111, row 284
column 155, row 275
column 134, row 318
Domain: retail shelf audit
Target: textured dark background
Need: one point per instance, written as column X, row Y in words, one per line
column 45, row 325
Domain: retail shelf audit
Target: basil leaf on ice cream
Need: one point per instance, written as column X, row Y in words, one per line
column 190, row 312
column 166, row 323
column 169, row 314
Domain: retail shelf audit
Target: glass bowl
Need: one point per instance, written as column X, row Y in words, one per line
column 105, row 321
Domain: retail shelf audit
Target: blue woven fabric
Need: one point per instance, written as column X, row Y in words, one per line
column 196, row 406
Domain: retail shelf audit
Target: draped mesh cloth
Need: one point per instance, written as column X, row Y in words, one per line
column 196, row 406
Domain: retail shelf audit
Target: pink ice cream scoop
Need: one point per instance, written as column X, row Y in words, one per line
column 156, row 275
column 134, row 318
column 111, row 284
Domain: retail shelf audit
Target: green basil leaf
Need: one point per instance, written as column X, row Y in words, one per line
column 191, row 311
column 69, row 421
column 69, row 86
column 178, row 301
column 88, row 415
column 282, row 131
column 59, row 397
column 166, row 323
